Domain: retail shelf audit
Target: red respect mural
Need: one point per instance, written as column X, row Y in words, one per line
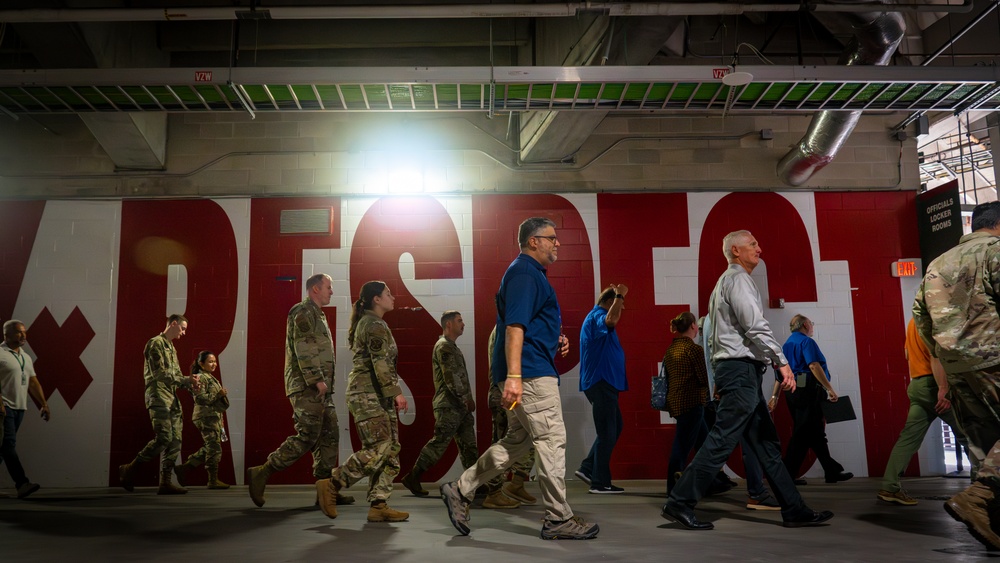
column 626, row 230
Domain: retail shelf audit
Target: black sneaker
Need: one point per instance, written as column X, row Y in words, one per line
column 582, row 476
column 609, row 490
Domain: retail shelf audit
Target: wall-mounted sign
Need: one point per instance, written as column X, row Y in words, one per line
column 906, row 269
column 939, row 220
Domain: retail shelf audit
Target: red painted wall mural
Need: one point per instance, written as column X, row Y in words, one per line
column 469, row 246
column 156, row 235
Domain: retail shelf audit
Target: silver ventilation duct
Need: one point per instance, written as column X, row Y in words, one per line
column 876, row 37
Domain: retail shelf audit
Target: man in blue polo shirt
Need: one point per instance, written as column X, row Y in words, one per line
column 527, row 338
column 602, row 377
column 806, row 402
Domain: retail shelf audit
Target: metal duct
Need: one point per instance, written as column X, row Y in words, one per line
column 876, row 37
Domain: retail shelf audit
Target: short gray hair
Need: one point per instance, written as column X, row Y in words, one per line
column 531, row 226
column 9, row 326
column 730, row 241
column 797, row 322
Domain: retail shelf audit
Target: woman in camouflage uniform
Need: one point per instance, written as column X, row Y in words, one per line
column 211, row 402
column 373, row 397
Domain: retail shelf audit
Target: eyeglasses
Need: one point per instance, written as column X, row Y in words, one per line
column 552, row 238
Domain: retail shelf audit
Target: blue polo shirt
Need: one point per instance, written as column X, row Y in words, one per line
column 527, row 298
column 601, row 354
column 801, row 350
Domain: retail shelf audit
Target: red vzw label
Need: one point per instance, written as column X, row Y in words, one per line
column 719, row 73
column 202, row 76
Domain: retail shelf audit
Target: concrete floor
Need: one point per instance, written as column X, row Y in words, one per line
column 97, row 524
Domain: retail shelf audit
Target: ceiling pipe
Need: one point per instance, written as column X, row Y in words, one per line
column 876, row 37
column 975, row 21
column 947, row 44
column 550, row 10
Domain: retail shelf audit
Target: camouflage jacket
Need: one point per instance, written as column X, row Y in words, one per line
column 451, row 379
column 956, row 306
column 309, row 354
column 375, row 356
column 162, row 372
column 207, row 401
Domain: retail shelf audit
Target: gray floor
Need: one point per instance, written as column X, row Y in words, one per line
column 93, row 524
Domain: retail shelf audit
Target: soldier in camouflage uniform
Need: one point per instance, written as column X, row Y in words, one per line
column 163, row 375
column 453, row 405
column 210, row 404
column 373, row 396
column 309, row 369
column 500, row 493
column 956, row 315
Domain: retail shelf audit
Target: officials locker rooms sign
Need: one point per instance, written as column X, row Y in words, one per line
column 939, row 220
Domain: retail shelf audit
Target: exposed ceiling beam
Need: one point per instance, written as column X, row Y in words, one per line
column 551, row 10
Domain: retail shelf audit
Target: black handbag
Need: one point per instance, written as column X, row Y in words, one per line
column 660, row 387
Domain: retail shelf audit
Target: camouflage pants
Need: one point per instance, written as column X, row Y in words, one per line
column 989, row 469
column 168, row 422
column 211, row 437
column 521, row 467
column 974, row 397
column 378, row 459
column 316, row 431
column 448, row 424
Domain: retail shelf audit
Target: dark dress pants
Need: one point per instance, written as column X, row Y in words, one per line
column 741, row 413
column 808, row 430
column 8, row 447
column 690, row 432
column 608, row 421
column 751, row 467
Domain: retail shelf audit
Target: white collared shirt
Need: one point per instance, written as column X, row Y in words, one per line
column 14, row 379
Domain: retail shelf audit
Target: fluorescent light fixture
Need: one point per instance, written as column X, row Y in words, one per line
column 244, row 100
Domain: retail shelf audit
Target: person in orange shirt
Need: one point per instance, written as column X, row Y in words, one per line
column 927, row 390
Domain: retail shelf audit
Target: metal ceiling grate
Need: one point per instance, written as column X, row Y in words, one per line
column 640, row 89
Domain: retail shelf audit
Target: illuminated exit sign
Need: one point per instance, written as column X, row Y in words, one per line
column 905, row 269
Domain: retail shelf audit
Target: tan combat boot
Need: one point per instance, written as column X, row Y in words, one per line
column 166, row 485
column 126, row 474
column 499, row 500
column 380, row 512
column 515, row 490
column 326, row 494
column 257, row 480
column 972, row 508
column 213, row 478
column 181, row 471
column 412, row 481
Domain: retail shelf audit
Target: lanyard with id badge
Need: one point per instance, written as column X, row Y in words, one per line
column 20, row 361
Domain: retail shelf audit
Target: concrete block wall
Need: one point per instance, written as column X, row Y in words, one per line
column 327, row 154
column 217, row 155
column 127, row 258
